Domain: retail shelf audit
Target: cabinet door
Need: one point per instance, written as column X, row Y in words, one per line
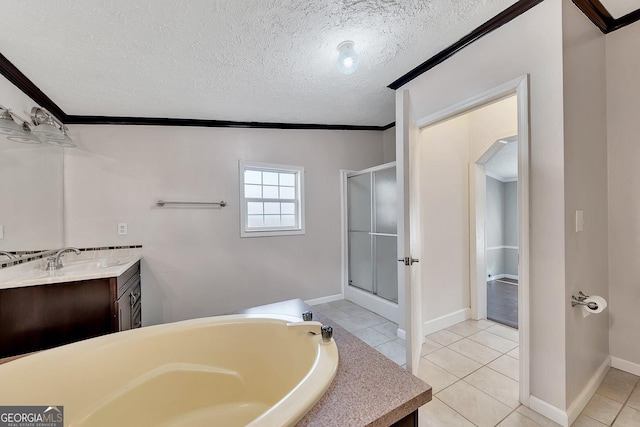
column 41, row 317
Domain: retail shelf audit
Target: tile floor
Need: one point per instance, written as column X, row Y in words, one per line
column 472, row 368
column 616, row 402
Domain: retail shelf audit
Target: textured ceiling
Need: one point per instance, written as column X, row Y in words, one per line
column 241, row 60
column 619, row 8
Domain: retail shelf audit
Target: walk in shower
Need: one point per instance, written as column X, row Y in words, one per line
column 372, row 240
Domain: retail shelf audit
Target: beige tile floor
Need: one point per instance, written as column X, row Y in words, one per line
column 472, row 368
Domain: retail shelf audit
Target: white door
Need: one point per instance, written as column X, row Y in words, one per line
column 409, row 295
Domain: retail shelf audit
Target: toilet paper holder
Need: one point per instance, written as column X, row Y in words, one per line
column 580, row 300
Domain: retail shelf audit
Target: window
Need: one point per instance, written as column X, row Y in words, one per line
column 271, row 199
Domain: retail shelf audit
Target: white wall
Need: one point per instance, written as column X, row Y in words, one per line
column 446, row 149
column 195, row 263
column 30, row 185
column 585, row 177
column 623, row 128
column 530, row 44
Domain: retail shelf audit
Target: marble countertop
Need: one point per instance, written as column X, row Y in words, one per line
column 86, row 266
column 368, row 389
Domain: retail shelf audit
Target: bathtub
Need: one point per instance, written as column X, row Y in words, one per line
column 237, row 370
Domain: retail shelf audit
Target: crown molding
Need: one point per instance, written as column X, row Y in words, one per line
column 494, row 23
column 600, row 16
column 23, row 83
column 165, row 121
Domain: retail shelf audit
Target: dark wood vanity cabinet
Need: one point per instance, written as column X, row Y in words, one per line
column 39, row 317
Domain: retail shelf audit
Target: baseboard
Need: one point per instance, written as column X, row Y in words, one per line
column 625, row 365
column 445, row 321
column 401, row 334
column 323, row 300
column 587, row 393
column 511, row 276
column 554, row 414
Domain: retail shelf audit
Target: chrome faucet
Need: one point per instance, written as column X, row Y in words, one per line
column 8, row 254
column 54, row 262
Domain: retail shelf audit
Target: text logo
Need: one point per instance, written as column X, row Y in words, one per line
column 31, row 416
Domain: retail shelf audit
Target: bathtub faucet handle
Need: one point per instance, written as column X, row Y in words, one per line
column 307, row 316
column 327, row 333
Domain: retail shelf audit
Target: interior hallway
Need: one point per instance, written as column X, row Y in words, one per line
column 472, row 368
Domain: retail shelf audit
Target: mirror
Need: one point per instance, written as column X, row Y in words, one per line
column 31, row 196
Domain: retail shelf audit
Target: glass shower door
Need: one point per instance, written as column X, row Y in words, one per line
column 359, row 215
column 372, row 231
column 385, row 234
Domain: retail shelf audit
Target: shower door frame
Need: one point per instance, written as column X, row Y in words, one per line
column 370, row 301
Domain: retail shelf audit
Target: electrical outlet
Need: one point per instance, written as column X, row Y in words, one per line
column 122, row 229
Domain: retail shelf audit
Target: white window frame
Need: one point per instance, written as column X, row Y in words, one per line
column 299, row 228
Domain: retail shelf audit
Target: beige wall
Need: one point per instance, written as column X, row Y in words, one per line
column 195, row 263
column 623, row 130
column 389, row 145
column 444, row 213
column 446, row 149
column 530, row 44
column 585, row 174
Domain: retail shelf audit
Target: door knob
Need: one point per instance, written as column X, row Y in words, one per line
column 409, row 260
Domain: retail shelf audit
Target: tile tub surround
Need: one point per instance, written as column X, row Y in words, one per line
column 33, row 273
column 374, row 330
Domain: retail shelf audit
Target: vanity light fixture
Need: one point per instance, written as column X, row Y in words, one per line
column 14, row 131
column 347, row 58
column 49, row 129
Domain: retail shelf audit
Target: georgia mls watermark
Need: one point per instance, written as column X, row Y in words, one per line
column 31, row 416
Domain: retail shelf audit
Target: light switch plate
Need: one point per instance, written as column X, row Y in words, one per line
column 122, row 229
column 1, row 232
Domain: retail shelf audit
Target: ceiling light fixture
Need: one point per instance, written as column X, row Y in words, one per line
column 347, row 58
column 14, row 131
column 49, row 129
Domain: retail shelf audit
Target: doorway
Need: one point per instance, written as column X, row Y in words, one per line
column 500, row 163
column 408, row 135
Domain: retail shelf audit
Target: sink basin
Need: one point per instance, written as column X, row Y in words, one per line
column 91, row 264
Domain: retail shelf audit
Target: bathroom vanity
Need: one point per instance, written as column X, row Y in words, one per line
column 90, row 298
